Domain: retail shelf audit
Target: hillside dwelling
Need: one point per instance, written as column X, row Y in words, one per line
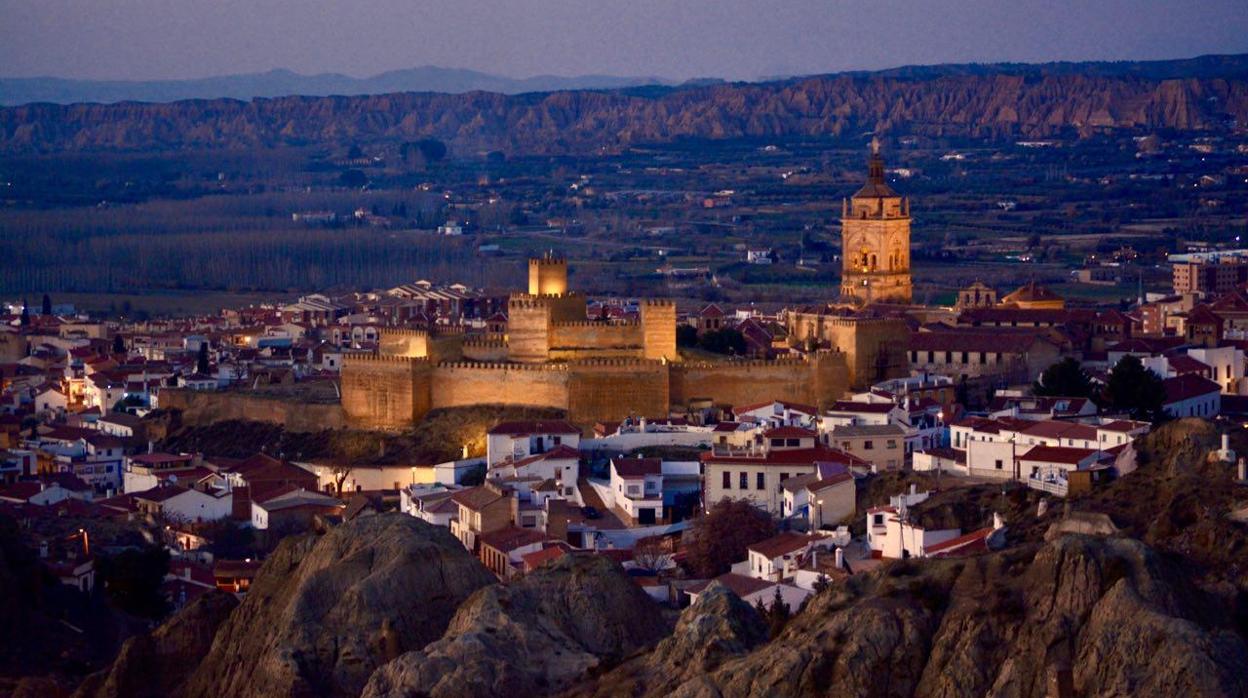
column 755, row 472
column 753, row 591
column 1060, row 470
column 145, row 471
column 291, row 507
column 521, row 439
column 36, row 492
column 430, row 503
column 861, row 413
column 778, row 413
column 637, row 484
column 1192, row 396
column 51, row 401
column 177, row 503
column 502, row 551
column 482, row 509
column 560, row 464
column 881, row 445
column 778, row 558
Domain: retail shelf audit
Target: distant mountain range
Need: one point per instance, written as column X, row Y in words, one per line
column 281, row 83
column 1209, row 93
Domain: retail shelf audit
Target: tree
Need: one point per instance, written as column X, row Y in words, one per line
column 25, row 314
column 132, row 579
column 201, row 362
column 725, row 341
column 778, row 615
column 1066, row 378
column 47, row 304
column 1134, row 389
column 686, row 336
column 353, row 179
column 119, row 344
column 720, row 537
column 651, row 554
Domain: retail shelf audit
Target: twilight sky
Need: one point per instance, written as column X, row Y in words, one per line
column 741, row 39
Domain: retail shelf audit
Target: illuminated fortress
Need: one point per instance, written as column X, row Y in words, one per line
column 551, row 356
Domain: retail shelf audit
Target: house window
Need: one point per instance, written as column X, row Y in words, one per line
column 867, row 445
column 878, row 520
column 1000, row 465
column 727, row 483
column 794, row 442
column 777, row 442
column 744, row 481
column 784, row 476
column 892, row 443
column 759, row 481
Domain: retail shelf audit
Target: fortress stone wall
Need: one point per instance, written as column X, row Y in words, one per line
column 202, row 407
column 384, row 392
column 818, row 380
column 465, row 383
column 875, row 348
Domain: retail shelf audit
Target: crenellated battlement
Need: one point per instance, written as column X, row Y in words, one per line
column 402, row 332
column 548, row 261
column 658, row 303
column 371, row 358
column 502, row 366
column 597, row 323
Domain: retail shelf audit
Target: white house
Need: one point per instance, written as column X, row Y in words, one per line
column 184, row 504
column 637, row 486
column 1190, row 395
column 521, row 439
column 50, row 400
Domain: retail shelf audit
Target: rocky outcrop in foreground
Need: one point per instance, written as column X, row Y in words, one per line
column 157, row 664
column 1097, row 616
column 568, row 619
column 719, row 627
column 325, row 611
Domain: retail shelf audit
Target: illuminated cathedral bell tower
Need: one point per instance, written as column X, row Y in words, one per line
column 875, row 240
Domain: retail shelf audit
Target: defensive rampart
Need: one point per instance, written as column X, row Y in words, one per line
column 201, row 408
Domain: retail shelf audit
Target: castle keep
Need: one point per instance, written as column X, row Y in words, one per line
column 551, row 355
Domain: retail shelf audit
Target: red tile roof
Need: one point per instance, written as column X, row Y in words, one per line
column 633, row 468
column 1057, row 454
column 781, row 544
column 1187, row 386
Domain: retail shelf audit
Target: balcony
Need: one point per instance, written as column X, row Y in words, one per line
column 1055, row 486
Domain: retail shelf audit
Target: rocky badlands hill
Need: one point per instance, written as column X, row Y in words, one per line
column 1007, row 103
column 1155, row 604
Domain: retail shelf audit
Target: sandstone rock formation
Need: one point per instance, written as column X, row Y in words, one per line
column 1000, row 104
column 1099, row 616
column 719, row 627
column 569, row 618
column 325, row 611
column 157, row 664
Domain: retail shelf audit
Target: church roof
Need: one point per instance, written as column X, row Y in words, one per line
column 1030, row 293
column 875, row 187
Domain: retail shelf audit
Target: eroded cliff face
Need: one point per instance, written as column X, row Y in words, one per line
column 158, row 664
column 325, row 611
column 583, row 121
column 564, row 621
column 1103, row 616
